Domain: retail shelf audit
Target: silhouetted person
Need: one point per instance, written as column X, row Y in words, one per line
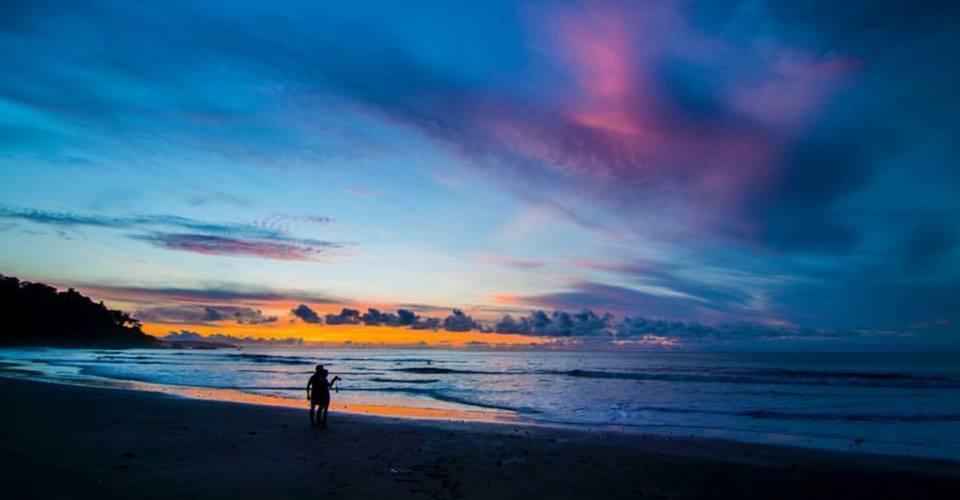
column 318, row 392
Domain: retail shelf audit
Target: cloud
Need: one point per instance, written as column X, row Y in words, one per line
column 509, row 261
column 71, row 219
column 321, row 220
column 306, row 250
column 792, row 147
column 631, row 100
column 203, row 197
column 557, row 324
column 376, row 317
column 268, row 240
column 747, row 334
column 426, row 324
column 306, row 314
column 458, row 321
column 63, row 218
column 346, row 316
column 639, row 331
column 194, row 337
column 640, row 107
column 221, row 293
column 402, row 318
column 193, row 314
column 724, row 289
column 619, row 299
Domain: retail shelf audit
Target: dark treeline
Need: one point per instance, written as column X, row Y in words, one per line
column 37, row 314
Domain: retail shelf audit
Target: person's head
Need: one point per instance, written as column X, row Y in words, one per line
column 320, row 369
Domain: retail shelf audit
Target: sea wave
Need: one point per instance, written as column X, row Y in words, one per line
column 429, row 370
column 404, row 381
column 270, row 358
column 682, row 374
column 853, row 417
column 785, row 377
column 393, row 360
column 794, row 415
column 728, row 376
column 440, row 395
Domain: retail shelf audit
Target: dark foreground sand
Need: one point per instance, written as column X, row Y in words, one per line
column 71, row 442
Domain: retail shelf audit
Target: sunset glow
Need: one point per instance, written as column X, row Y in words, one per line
column 491, row 249
column 358, row 335
column 712, row 175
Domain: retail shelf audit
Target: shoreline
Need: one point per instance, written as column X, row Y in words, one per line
column 496, row 416
column 114, row 442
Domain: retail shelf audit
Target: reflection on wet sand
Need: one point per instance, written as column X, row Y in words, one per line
column 390, row 410
column 386, row 408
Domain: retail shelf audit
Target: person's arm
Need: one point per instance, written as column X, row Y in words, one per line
column 333, row 381
column 309, row 386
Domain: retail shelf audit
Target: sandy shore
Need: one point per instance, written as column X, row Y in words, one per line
column 60, row 441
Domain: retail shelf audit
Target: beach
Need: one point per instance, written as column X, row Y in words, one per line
column 59, row 441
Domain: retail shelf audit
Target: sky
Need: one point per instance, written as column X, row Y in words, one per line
column 740, row 173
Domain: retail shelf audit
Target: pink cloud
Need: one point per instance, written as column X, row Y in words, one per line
column 795, row 89
column 218, row 245
column 617, row 127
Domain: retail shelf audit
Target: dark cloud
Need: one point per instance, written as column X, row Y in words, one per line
column 403, row 317
column 458, row 321
column 648, row 332
column 306, row 314
column 737, row 334
column 346, row 316
column 557, row 324
column 374, row 317
column 879, row 303
column 406, row 317
column 426, row 324
column 219, row 338
column 203, row 314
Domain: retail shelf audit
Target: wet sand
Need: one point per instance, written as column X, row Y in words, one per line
column 75, row 442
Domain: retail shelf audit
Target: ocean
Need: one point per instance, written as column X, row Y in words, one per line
column 905, row 404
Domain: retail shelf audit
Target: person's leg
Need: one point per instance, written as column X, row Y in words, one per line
column 325, row 409
column 313, row 409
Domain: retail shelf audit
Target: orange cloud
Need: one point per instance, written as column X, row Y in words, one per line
column 506, row 299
